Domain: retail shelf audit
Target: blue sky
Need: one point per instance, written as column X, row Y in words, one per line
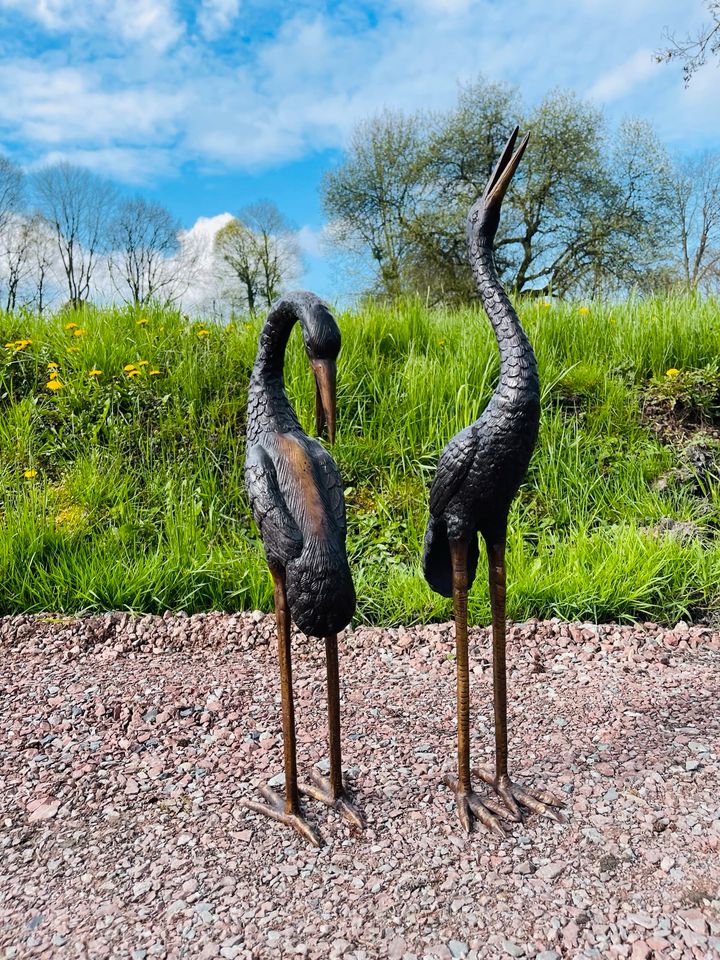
column 208, row 106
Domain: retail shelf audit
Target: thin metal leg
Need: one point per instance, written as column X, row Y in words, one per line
column 331, row 791
column 511, row 795
column 282, row 614
column 459, row 555
column 333, row 694
column 469, row 804
column 285, row 811
column 496, row 564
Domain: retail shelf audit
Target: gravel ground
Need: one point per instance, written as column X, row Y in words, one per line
column 127, row 744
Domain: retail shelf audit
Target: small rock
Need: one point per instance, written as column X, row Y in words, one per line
column 513, row 949
column 550, row 871
column 396, row 948
column 458, row 948
column 46, row 811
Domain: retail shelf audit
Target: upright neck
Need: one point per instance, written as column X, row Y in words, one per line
column 518, row 367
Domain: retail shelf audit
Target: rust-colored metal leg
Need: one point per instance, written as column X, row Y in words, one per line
column 287, row 811
column 541, row 802
column 332, row 792
column 469, row 803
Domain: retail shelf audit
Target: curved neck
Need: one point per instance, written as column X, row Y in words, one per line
column 270, row 359
column 518, row 366
column 266, row 381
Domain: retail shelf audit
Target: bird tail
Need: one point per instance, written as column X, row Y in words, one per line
column 437, row 565
column 320, row 591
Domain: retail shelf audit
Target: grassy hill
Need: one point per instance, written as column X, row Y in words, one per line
column 122, row 485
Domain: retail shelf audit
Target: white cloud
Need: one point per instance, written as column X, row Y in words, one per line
column 215, row 17
column 624, row 78
column 312, row 242
column 146, row 22
column 139, row 91
column 196, row 248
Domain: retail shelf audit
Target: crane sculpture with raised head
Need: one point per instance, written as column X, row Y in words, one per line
column 478, row 475
column 297, row 501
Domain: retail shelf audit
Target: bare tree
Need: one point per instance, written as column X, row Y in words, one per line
column 12, row 184
column 28, row 257
column 43, row 256
column 144, row 242
column 259, row 251
column 79, row 206
column 695, row 199
column 17, row 257
column 693, row 50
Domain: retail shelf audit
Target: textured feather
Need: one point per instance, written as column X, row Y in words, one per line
column 452, row 469
column 295, row 488
column 280, row 534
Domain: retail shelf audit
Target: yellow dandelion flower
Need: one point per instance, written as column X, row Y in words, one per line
column 52, row 365
column 79, row 332
column 70, row 326
column 128, row 367
column 94, row 372
column 53, row 374
column 203, row 333
column 141, row 322
column 54, row 385
column 133, row 373
column 672, row 372
column 21, row 344
column 9, row 346
column 143, row 363
column 545, row 303
column 29, row 474
column 584, row 310
column 154, row 373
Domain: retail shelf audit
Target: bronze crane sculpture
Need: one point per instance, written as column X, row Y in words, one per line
column 478, row 475
column 297, row 501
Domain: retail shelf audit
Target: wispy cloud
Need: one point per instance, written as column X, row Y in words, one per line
column 141, row 87
column 625, row 77
column 217, row 16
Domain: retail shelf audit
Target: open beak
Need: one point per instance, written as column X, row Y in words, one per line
column 505, row 169
column 325, row 400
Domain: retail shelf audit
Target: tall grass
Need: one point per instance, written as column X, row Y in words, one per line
column 137, row 497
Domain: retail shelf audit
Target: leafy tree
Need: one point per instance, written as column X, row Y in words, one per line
column 454, row 162
column 376, row 193
column 259, row 253
column 579, row 215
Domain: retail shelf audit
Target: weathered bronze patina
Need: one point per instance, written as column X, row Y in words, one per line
column 478, row 475
column 297, row 500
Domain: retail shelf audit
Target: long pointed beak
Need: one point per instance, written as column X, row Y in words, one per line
column 325, row 396
column 505, row 169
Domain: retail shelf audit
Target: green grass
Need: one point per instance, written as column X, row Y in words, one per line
column 138, row 498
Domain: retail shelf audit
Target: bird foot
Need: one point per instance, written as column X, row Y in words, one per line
column 544, row 802
column 321, row 789
column 275, row 809
column 471, row 806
